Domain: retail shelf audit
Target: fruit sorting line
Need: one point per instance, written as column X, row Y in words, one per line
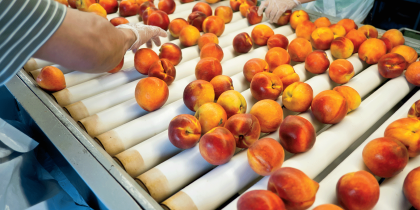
column 104, row 106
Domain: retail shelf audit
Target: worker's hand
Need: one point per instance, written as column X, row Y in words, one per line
column 275, row 8
column 144, row 34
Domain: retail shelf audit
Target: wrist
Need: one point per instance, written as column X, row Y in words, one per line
column 129, row 37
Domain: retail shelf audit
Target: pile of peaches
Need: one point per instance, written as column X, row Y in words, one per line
column 99, row 7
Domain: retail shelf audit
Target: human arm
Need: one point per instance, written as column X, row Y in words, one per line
column 275, row 8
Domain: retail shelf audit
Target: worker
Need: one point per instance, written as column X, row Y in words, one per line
column 81, row 41
column 356, row 10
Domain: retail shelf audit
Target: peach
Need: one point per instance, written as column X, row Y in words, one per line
column 328, row 207
column 167, row 6
column 284, row 18
column 357, row 190
column 128, row 8
column 146, row 14
column 151, row 93
column 118, row 21
column 298, row 17
column 341, row 71
column 64, row 2
column 212, row 50
column 196, row 19
column 317, row 62
column 212, row 1
column 391, row 65
column 294, row 187
column 348, row 24
column 277, row 56
column 297, row 134
column 245, row 128
column 305, row 29
column 338, row 30
column 203, row 7
column 321, row 38
column 214, row 24
column 243, row 8
column 411, row 187
column 372, row 50
column 172, row 52
column 254, row 66
column 414, row 111
column 265, row 156
column 297, row 97
column 217, row 146
column 269, row 114
column 164, row 70
column 342, row 48
column 232, row 102
column 357, row 37
column 322, row 22
column 118, row 67
column 351, row 95
column 277, row 40
column 387, row 43
column 143, row 59
column 395, row 36
column 206, row 39
column 406, row 130
column 184, row 131
column 97, row 9
column 299, row 48
column 72, row 4
column 140, row 2
column 186, row 1
column 252, row 15
column 176, row 25
column 159, row 19
column 110, row 6
column 225, row 13
column 51, row 79
column 143, row 7
column 265, row 85
column 189, row 36
column 211, row 115
column 260, row 199
column 369, row 31
column 261, row 33
column 234, row 4
column 385, row 157
column 242, row 43
column 221, row 83
column 83, row 5
column 197, row 93
column 287, row 74
column 208, row 68
column 329, row 107
column 407, row 52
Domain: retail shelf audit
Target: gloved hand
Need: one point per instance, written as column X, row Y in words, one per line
column 275, row 8
column 144, row 34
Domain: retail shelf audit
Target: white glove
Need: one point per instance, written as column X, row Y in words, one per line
column 144, row 34
column 275, row 8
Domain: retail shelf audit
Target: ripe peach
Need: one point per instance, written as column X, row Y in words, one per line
column 265, row 156
column 186, row 1
column 297, row 134
column 277, row 56
column 321, row 38
column 387, row 43
column 83, row 5
column 203, row 7
column 151, row 93
column 243, row 8
column 232, row 102
column 167, row 6
column 176, row 26
column 97, row 9
column 406, row 130
column 414, row 111
column 254, row 66
column 407, row 52
column 327, row 207
column 140, row 2
column 212, row 50
column 348, row 24
column 196, row 19
column 284, row 18
column 329, row 107
column 351, row 95
column 357, row 190
column 147, row 12
column 411, row 187
column 369, row 31
column 305, row 29
column 197, row 93
column 265, row 85
column 128, row 8
column 143, row 59
column 322, row 22
column 51, row 79
column 245, row 128
column 64, row 2
column 341, row 71
column 212, row 1
column 164, row 70
column 217, row 146
column 260, row 199
column 221, row 83
column 269, row 114
column 372, row 50
column 297, row 97
column 299, row 48
column 208, row 68
column 184, row 131
column 357, row 37
column 225, row 13
column 391, row 65
column 72, row 3
column 338, row 30
column 242, row 43
column 207, row 38
column 143, row 7
column 261, row 33
column 395, row 36
column 189, row 35
column 342, row 47
column 214, row 24
column 298, row 17
column 277, row 40
column 118, row 67
column 172, row 52
column 287, row 74
column 252, row 15
column 110, row 6
column 234, row 4
column 294, row 187
column 211, row 115
column 118, row 21
column 317, row 62
column 385, row 157
column 159, row 19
